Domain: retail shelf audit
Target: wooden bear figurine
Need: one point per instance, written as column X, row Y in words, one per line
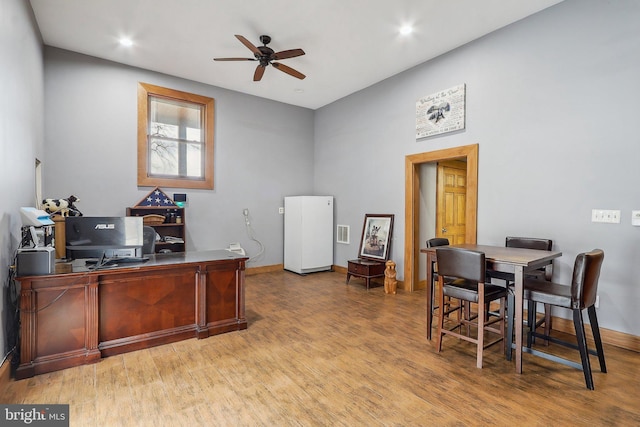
column 390, row 282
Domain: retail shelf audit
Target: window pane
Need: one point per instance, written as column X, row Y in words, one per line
column 173, row 112
column 175, row 138
column 163, row 157
column 195, row 160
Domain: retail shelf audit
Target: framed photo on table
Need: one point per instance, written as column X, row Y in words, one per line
column 376, row 237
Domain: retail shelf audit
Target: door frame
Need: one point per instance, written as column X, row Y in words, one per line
column 412, row 203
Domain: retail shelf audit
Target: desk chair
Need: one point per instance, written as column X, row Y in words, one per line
column 577, row 297
column 466, row 273
column 148, row 240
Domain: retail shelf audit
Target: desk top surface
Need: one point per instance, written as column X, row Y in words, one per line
column 173, row 258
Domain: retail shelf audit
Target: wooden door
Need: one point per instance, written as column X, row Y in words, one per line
column 451, row 195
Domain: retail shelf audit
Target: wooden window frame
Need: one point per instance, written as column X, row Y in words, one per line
column 144, row 180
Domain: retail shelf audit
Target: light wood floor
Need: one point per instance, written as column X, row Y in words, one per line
column 318, row 352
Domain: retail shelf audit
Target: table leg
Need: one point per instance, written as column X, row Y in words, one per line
column 519, row 297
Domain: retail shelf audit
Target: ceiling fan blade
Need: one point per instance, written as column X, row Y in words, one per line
column 248, row 44
column 288, row 70
column 288, row 54
column 234, row 59
column 257, row 76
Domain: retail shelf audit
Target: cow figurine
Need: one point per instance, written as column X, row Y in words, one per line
column 62, row 207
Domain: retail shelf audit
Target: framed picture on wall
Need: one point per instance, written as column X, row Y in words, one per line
column 376, row 237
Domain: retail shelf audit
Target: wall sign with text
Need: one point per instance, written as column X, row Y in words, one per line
column 441, row 112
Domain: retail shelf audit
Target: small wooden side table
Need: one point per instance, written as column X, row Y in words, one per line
column 365, row 268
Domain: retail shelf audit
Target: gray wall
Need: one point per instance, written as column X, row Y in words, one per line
column 552, row 101
column 263, row 152
column 21, row 124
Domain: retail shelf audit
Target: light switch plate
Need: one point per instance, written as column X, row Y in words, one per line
column 635, row 218
column 605, row 215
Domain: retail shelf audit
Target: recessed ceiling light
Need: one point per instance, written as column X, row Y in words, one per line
column 405, row 30
column 125, row 41
column 298, row 90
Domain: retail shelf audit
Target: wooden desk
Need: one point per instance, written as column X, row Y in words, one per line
column 77, row 318
column 499, row 258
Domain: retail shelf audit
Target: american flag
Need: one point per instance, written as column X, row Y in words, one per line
column 157, row 198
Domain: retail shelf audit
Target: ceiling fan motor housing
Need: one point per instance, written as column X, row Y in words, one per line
column 267, row 53
column 265, row 40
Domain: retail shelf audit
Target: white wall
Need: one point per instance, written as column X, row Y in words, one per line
column 263, row 152
column 21, row 110
column 552, row 101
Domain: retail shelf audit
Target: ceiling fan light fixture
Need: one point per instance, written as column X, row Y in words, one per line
column 266, row 56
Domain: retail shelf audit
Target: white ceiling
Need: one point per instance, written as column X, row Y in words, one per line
column 349, row 44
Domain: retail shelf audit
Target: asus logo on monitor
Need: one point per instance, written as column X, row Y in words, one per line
column 105, row 227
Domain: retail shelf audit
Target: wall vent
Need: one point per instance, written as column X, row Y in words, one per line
column 342, row 235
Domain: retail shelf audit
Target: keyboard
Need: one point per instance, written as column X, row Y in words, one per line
column 113, row 261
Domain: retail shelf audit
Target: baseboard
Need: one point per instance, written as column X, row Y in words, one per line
column 611, row 337
column 264, row 269
column 340, row 269
column 5, row 373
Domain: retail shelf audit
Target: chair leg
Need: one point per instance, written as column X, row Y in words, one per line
column 440, row 317
column 531, row 320
column 582, row 346
column 433, row 306
column 593, row 319
column 502, row 324
column 510, row 319
column 547, row 321
column 481, row 321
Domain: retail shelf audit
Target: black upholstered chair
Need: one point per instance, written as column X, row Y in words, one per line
column 579, row 296
column 148, row 240
column 466, row 274
column 437, row 241
column 544, row 273
column 432, row 243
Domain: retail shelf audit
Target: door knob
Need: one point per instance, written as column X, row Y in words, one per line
column 444, row 230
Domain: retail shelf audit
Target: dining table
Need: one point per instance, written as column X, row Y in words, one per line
column 498, row 258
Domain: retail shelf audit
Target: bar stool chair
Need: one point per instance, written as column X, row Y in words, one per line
column 577, row 297
column 466, row 271
column 432, row 243
column 545, row 273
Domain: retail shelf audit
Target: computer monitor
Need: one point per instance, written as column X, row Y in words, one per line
column 93, row 237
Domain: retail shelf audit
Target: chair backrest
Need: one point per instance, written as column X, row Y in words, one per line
column 461, row 263
column 529, row 243
column 148, row 240
column 437, row 241
column 586, row 273
column 532, row 243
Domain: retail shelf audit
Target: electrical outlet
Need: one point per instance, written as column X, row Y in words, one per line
column 280, row 210
column 597, row 304
column 605, row 215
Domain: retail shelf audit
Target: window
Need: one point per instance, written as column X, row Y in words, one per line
column 175, row 138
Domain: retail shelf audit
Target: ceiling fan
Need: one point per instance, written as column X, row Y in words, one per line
column 266, row 56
